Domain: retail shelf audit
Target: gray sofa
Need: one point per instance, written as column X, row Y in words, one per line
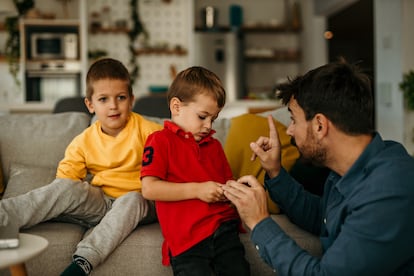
column 31, row 147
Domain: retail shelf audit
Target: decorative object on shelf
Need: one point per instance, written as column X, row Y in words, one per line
column 407, row 87
column 12, row 49
column 296, row 22
column 95, row 22
column 106, row 20
column 98, row 53
column 236, row 16
column 8, row 8
column 65, row 4
column 137, row 29
column 209, row 15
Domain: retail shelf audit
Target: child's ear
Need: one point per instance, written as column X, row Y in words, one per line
column 131, row 104
column 89, row 106
column 175, row 104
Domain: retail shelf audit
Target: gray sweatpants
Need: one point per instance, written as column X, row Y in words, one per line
column 113, row 219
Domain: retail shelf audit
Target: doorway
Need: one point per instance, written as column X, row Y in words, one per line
column 353, row 36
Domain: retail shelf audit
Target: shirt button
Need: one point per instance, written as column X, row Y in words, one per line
column 257, row 247
column 186, row 136
column 324, row 220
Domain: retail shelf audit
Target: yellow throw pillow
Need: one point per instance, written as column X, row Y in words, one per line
column 245, row 129
column 1, row 181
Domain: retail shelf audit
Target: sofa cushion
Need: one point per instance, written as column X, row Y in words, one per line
column 2, row 185
column 24, row 178
column 39, row 139
column 62, row 238
column 142, row 248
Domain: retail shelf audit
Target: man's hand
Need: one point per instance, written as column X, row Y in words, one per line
column 250, row 199
column 268, row 150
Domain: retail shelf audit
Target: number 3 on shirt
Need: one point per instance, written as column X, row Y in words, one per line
column 147, row 156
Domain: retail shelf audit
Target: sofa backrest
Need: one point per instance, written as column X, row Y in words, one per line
column 37, row 139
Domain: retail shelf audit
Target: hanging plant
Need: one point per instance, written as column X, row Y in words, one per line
column 12, row 49
column 407, row 86
column 136, row 30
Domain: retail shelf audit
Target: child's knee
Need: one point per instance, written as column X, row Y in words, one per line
column 133, row 201
column 131, row 198
column 71, row 188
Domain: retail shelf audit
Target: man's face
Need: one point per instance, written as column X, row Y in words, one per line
column 303, row 136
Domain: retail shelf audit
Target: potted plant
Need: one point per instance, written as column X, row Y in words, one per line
column 407, row 87
column 12, row 49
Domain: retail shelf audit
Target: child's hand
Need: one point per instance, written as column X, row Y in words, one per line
column 211, row 192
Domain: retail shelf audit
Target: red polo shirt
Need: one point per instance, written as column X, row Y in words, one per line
column 173, row 155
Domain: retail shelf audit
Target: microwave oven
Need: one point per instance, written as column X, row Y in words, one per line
column 54, row 46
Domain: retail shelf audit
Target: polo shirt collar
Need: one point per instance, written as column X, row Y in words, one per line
column 180, row 132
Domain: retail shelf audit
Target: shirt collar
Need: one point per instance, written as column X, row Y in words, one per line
column 180, row 132
column 359, row 167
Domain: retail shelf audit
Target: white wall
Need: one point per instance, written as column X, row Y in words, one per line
column 314, row 46
column 388, row 69
column 394, row 44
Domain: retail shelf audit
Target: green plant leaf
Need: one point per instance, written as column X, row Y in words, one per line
column 407, row 87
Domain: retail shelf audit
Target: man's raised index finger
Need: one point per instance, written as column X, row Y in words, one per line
column 273, row 135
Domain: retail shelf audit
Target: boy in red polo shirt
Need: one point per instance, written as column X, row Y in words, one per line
column 183, row 170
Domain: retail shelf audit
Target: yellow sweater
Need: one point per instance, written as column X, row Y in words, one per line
column 113, row 162
column 248, row 128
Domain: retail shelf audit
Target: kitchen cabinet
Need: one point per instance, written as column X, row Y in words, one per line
column 51, row 59
column 271, row 54
column 270, row 32
column 43, row 80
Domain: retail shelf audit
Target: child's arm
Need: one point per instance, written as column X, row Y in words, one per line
column 154, row 188
column 73, row 165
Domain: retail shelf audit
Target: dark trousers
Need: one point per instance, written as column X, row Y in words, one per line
column 222, row 253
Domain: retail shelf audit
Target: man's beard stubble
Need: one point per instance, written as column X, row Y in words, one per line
column 312, row 152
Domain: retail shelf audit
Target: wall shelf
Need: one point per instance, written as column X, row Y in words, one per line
column 252, row 29
column 155, row 51
column 270, row 29
column 272, row 59
column 122, row 30
column 275, row 56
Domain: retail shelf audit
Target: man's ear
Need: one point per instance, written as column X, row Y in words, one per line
column 175, row 105
column 89, row 106
column 320, row 124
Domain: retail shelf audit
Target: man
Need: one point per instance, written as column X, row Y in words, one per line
column 365, row 217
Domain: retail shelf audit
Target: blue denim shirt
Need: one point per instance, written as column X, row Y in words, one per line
column 365, row 218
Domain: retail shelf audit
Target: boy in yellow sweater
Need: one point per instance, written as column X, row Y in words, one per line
column 110, row 151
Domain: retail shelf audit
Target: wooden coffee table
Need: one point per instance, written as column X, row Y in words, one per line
column 30, row 246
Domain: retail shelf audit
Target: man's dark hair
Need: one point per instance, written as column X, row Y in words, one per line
column 338, row 90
